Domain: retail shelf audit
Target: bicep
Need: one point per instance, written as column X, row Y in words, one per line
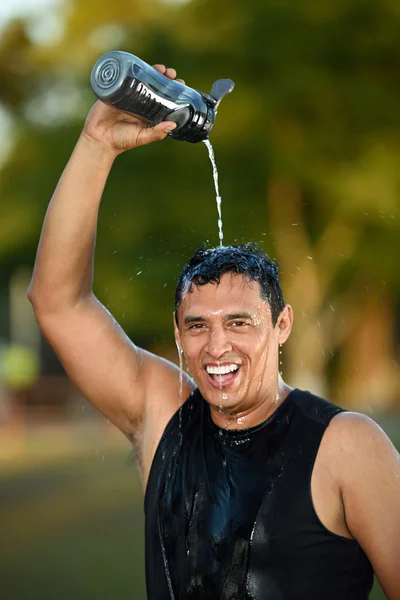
column 111, row 372
column 371, row 496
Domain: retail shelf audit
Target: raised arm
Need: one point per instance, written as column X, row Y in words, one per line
column 136, row 390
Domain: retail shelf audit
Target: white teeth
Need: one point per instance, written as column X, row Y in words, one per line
column 223, row 370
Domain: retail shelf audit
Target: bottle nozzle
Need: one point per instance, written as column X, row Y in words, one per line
column 219, row 90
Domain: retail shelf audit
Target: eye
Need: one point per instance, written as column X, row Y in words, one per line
column 196, row 326
column 239, row 323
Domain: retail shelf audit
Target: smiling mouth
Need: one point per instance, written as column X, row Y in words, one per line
column 222, row 376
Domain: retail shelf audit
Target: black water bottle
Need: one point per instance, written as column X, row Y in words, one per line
column 129, row 84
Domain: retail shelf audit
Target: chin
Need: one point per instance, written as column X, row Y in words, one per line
column 224, row 400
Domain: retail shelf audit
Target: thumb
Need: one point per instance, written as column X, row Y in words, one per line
column 154, row 134
column 165, row 127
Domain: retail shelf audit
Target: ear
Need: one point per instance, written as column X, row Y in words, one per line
column 284, row 323
column 176, row 333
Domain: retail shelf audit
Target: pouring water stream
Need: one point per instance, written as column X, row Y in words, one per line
column 218, row 197
column 221, row 238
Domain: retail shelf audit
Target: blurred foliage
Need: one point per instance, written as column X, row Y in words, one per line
column 307, row 148
column 19, row 366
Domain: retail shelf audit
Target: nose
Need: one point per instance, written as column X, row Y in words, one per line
column 218, row 343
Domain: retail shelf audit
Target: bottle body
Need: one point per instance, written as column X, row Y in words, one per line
column 127, row 83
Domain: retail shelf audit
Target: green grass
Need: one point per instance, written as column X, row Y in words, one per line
column 80, row 536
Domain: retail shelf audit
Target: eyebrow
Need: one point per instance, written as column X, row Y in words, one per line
column 229, row 317
column 240, row 315
column 190, row 319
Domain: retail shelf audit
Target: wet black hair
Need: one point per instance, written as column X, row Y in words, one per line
column 207, row 265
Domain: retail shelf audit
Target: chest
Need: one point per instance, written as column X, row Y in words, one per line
column 224, row 494
column 230, row 517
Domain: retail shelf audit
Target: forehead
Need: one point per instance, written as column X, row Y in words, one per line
column 233, row 293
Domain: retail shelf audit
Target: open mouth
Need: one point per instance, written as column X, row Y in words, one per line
column 222, row 376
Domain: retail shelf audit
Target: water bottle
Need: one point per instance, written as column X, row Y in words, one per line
column 129, row 84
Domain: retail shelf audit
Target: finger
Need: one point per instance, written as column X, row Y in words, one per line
column 181, row 81
column 171, row 73
column 160, row 68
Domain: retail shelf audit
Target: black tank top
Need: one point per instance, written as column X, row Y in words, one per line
column 229, row 514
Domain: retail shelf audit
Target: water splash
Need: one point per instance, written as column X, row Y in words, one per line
column 218, row 197
column 180, row 354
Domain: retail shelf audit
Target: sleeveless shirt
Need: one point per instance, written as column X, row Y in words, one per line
column 229, row 513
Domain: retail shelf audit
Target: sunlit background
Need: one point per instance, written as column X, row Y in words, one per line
column 307, row 147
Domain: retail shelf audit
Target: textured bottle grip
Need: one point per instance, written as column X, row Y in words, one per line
column 144, row 101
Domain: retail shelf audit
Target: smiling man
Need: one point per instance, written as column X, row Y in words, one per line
column 254, row 490
column 227, row 305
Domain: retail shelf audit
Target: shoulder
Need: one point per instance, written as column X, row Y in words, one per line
column 350, row 431
column 357, row 444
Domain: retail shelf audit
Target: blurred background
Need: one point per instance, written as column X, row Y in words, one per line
column 307, row 147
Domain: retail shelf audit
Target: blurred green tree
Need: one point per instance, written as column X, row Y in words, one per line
column 307, row 147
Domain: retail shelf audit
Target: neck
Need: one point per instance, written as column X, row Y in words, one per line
column 228, row 418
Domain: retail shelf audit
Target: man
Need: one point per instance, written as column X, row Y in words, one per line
column 253, row 489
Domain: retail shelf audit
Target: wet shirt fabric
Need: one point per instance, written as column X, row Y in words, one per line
column 229, row 513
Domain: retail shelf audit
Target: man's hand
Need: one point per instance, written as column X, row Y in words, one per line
column 120, row 131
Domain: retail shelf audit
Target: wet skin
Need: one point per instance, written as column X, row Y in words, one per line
column 229, row 325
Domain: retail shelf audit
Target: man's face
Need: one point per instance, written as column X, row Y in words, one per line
column 230, row 345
